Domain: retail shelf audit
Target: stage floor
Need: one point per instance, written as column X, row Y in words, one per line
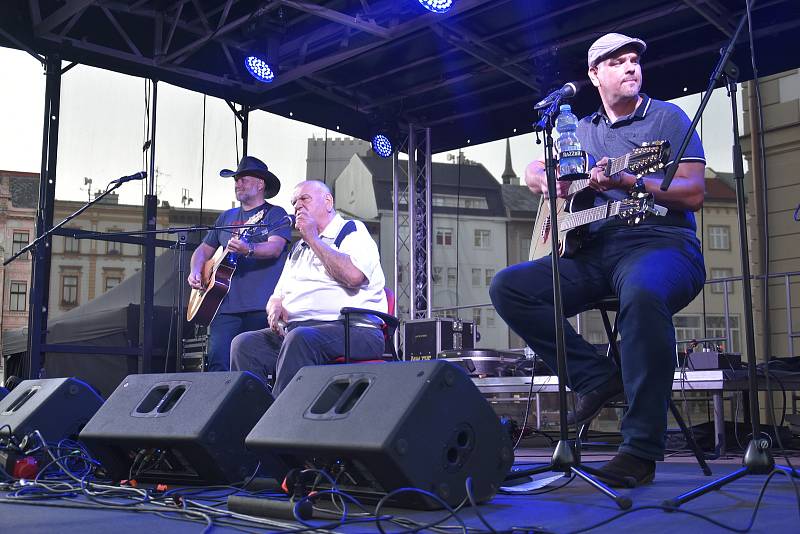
column 571, row 508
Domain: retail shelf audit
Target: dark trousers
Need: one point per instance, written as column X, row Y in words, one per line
column 655, row 272
column 223, row 329
column 266, row 354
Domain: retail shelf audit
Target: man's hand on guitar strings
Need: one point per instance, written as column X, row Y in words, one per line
column 599, row 181
column 195, row 280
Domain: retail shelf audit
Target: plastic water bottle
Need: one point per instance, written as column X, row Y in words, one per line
column 566, row 125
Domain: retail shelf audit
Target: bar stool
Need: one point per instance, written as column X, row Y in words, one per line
column 611, row 304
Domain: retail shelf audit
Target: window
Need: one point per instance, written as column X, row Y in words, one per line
column 476, row 316
column 69, row 290
column 491, row 317
column 20, row 241
column 719, row 237
column 452, row 277
column 489, row 276
column 444, row 236
column 18, row 295
column 719, row 287
column 524, row 248
column 452, row 201
column 447, row 314
column 687, row 327
column 112, row 281
column 113, row 248
column 482, row 238
column 436, row 274
column 715, row 326
column 476, row 277
column 71, row 245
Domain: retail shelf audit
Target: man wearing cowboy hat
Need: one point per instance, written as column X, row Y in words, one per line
column 260, row 259
column 654, row 268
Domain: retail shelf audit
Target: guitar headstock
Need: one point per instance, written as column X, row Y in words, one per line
column 256, row 218
column 634, row 209
column 649, row 157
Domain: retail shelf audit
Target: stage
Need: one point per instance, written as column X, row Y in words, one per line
column 571, row 508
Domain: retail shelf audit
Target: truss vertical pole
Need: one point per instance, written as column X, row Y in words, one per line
column 146, row 309
column 40, row 280
column 396, row 241
column 419, row 202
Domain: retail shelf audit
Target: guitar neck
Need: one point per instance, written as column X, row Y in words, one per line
column 614, row 166
column 587, row 216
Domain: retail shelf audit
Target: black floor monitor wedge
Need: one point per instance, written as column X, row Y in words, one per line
column 56, row 407
column 380, row 427
column 180, row 427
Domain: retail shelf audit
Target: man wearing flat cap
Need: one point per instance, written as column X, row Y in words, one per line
column 260, row 258
column 655, row 268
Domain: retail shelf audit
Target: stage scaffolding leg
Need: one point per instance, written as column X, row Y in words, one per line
column 146, row 310
column 40, row 286
column 419, row 212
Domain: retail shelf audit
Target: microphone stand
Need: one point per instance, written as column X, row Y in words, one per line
column 757, row 458
column 566, row 456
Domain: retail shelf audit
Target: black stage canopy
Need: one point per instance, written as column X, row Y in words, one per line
column 471, row 74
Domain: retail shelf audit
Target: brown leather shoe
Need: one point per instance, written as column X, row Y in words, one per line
column 627, row 470
column 588, row 405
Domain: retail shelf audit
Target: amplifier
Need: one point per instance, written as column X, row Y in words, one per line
column 711, row 359
column 425, row 338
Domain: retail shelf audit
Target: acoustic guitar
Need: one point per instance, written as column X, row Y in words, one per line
column 216, row 278
column 576, row 211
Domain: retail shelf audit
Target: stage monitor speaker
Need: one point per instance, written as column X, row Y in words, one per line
column 56, row 407
column 381, row 427
column 185, row 428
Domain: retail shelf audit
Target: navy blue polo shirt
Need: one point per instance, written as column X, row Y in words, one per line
column 652, row 120
column 255, row 278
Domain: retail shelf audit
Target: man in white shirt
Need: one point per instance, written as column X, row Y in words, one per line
column 335, row 264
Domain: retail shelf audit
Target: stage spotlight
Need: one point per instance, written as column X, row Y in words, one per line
column 437, row 6
column 259, row 69
column 382, row 145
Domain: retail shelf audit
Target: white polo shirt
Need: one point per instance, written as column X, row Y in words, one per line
column 310, row 293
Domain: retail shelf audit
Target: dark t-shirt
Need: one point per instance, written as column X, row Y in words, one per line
column 653, row 120
column 254, row 279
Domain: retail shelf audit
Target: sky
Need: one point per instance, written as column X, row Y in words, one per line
column 103, row 121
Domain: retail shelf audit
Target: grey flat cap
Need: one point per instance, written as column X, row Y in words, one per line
column 610, row 43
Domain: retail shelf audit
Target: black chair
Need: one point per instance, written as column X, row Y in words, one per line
column 390, row 324
column 611, row 304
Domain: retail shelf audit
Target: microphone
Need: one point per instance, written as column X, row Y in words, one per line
column 292, row 219
column 138, row 176
column 568, row 91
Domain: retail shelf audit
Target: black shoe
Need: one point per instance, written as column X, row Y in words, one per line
column 588, row 405
column 626, row 470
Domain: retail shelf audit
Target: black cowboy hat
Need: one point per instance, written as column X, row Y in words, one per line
column 252, row 166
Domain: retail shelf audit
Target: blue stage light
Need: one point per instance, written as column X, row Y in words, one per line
column 382, row 146
column 437, row 6
column 259, row 69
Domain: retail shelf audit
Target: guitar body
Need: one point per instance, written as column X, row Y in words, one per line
column 568, row 241
column 204, row 303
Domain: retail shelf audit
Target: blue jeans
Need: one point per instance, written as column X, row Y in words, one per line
column 223, row 329
column 655, row 272
column 266, row 354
